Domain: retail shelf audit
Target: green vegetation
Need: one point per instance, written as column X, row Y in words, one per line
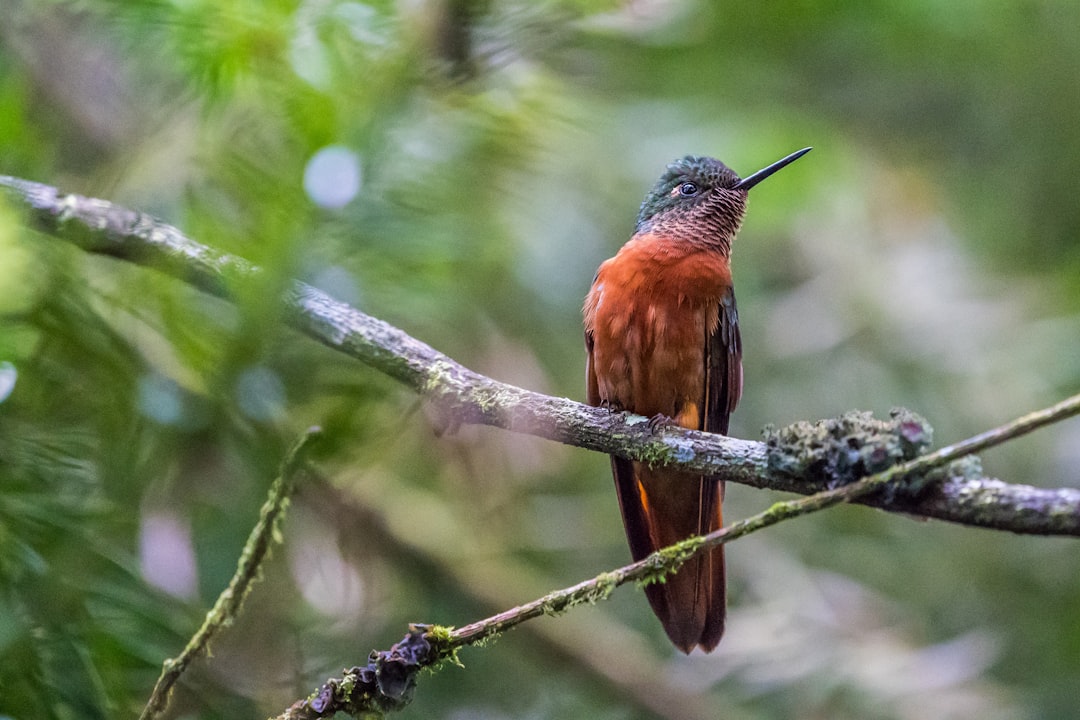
column 459, row 169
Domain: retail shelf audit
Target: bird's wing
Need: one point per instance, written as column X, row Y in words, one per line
column 723, row 367
column 592, row 387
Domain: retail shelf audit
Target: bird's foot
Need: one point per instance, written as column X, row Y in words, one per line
column 659, row 421
column 612, row 406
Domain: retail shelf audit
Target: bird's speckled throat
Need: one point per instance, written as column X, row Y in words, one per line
column 710, row 216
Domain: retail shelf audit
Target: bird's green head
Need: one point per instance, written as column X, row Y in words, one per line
column 701, row 199
column 688, row 184
column 696, row 200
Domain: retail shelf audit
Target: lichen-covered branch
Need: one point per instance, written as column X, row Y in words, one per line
column 388, row 680
column 232, row 598
column 460, row 395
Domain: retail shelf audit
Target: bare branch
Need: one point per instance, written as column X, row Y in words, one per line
column 463, row 396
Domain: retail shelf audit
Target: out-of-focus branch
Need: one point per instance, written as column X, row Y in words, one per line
column 460, row 395
column 230, row 601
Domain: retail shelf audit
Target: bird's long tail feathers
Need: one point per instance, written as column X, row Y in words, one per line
column 659, row 508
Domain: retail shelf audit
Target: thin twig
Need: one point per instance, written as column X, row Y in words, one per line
column 228, row 604
column 497, row 584
column 462, row 396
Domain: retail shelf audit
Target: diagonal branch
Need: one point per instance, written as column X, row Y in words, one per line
column 667, row 560
column 463, row 396
column 387, row 682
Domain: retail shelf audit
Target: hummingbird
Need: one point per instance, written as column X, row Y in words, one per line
column 662, row 340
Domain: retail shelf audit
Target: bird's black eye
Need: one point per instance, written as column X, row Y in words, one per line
column 688, row 188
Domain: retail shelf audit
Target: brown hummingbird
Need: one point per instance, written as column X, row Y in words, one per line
column 662, row 337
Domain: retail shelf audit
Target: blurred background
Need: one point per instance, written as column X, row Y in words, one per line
column 460, row 169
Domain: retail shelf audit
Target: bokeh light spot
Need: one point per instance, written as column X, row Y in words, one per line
column 260, row 393
column 167, row 555
column 8, row 376
column 161, row 400
column 332, row 177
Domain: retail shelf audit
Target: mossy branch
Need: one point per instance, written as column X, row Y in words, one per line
column 229, row 603
column 387, row 682
column 462, row 396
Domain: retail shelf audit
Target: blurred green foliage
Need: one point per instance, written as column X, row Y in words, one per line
column 924, row 255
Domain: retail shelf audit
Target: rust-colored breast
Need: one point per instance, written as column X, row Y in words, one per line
column 649, row 313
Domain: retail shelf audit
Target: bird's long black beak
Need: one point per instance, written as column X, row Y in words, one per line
column 749, row 182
